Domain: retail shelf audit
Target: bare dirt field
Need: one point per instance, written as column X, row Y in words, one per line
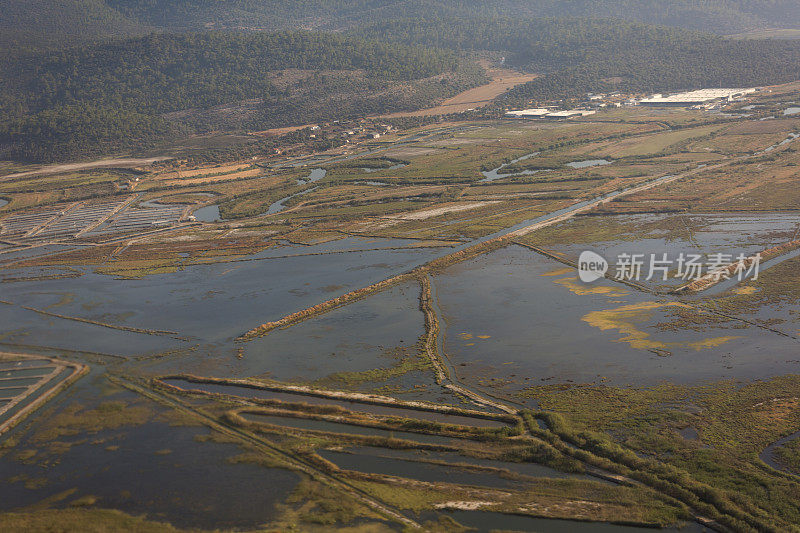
column 502, row 80
column 428, row 213
column 281, row 131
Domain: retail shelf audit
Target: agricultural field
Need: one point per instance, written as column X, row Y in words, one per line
column 394, row 335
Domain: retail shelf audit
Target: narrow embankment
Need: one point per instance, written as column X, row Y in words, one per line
column 270, row 450
column 97, row 323
column 306, row 394
column 432, row 326
column 736, row 268
column 434, row 348
column 324, row 307
column 573, row 264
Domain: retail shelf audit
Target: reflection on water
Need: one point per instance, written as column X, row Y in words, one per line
column 372, row 333
column 209, row 213
column 211, row 302
column 415, row 470
column 532, row 328
column 153, row 469
column 768, row 455
column 316, row 174
column 392, row 167
column 495, row 174
column 280, row 205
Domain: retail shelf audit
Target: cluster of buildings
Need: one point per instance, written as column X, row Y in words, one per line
column 550, row 114
column 699, row 99
column 350, row 130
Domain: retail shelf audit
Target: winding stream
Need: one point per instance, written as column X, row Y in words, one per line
column 315, row 175
column 768, row 454
column 495, row 174
column 589, row 163
column 280, row 205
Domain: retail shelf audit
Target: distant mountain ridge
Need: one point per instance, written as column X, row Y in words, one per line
column 52, row 22
column 41, row 23
column 709, row 15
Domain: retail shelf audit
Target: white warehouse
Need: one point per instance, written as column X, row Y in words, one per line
column 700, row 96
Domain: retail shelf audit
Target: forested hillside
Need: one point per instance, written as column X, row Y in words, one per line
column 708, row 15
column 57, row 104
column 49, row 22
column 592, row 55
column 535, row 44
column 670, row 66
column 135, row 80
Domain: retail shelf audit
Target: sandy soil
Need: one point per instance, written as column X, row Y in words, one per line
column 502, row 80
column 453, row 208
column 281, row 131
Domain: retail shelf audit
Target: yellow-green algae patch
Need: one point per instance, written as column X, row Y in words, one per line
column 559, row 272
column 584, row 290
column 625, row 318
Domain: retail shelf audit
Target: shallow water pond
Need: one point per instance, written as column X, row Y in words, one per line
column 153, row 469
column 218, row 301
column 209, row 213
column 516, row 319
column 415, row 470
column 364, row 335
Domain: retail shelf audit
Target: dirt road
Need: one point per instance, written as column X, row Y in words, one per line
column 69, row 167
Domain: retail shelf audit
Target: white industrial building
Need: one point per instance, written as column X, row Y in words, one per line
column 571, row 113
column 528, row 113
column 701, row 96
column 542, row 113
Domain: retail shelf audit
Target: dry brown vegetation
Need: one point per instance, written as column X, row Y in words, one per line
column 502, row 80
